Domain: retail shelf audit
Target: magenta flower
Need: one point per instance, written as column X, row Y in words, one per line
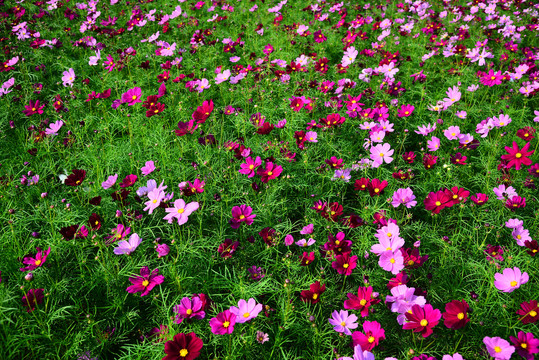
column 127, row 247
column 452, row 133
column 372, row 336
column 405, row 110
column 525, row 344
column 32, row 298
column 498, row 348
column 223, row 323
column 33, row 108
column 132, row 96
column 270, row 172
column 37, row 261
column 342, row 322
column 145, row 282
column 249, row 167
column 189, row 309
column 492, row 78
column 344, row 264
column 162, row 250
column 510, row 280
column 246, row 310
column 311, row 136
column 405, row 197
column 242, row 213
column 68, row 78
column 381, row 153
column 391, row 261
column 180, row 211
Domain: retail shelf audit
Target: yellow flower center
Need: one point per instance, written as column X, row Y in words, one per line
column 423, row 322
column 343, row 323
column 438, row 203
column 38, row 262
column 345, row 266
column 33, row 109
column 362, row 302
column 392, row 261
column 242, row 217
column 371, row 339
column 533, row 313
column 381, row 154
column 513, row 283
column 518, row 155
column 154, row 201
column 498, row 349
column 492, row 77
column 246, row 315
column 145, row 283
column 181, row 211
column 460, row 316
column 251, row 167
column 189, row 311
column 226, row 324
column 411, row 262
column 134, row 97
column 184, row 352
column 376, row 190
column 315, row 296
column 524, row 345
column 270, row 173
column 406, row 112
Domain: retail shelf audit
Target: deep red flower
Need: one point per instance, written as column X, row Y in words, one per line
column 422, row 320
column 183, row 347
column 457, row 195
column 312, row 296
column 412, row 259
column 518, row 157
column 344, row 264
column 362, row 184
column 94, row 222
column 526, row 133
column 268, row 235
column 400, row 279
column 409, row 157
column 75, row 178
column 429, row 161
column 333, row 211
column 376, row 187
column 456, row 314
column 227, row 248
column 306, row 258
column 529, row 312
column 372, row 336
column 203, row 112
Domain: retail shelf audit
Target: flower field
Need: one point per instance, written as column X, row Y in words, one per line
column 255, row 179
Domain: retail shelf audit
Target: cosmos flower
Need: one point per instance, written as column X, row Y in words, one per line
column 422, row 320
column 518, row 157
column 37, row 260
column 498, row 348
column 145, row 282
column 127, row 247
column 246, row 310
column 510, row 279
column 183, row 347
column 223, row 323
column 180, row 211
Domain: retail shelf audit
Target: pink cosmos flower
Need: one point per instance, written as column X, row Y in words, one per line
column 145, row 282
column 180, row 211
column 498, row 348
column 155, row 197
column 127, row 247
column 249, row 166
column 387, row 244
column 492, row 78
column 288, row 240
column 54, row 128
column 307, row 229
column 405, row 197
column 33, row 108
column 223, row 323
column 68, row 78
column 525, row 344
column 510, row 279
column 392, row 261
column 342, row 322
column 132, row 96
column 242, row 213
column 371, row 337
column 433, row 144
column 452, row 133
column 246, row 310
column 311, row 136
column 455, row 356
column 381, row 154
column 405, row 110
column 37, row 261
column 148, row 168
column 360, row 354
column 453, row 95
column 162, row 250
column 111, row 180
column 271, row 172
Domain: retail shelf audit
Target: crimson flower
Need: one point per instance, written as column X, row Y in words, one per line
column 362, row 301
column 422, row 320
column 228, row 248
column 518, row 157
column 529, row 312
column 33, row 108
column 270, row 172
column 372, row 336
column 376, row 187
column 312, row 296
column 203, row 112
column 183, row 347
column 435, row 202
column 456, row 314
column 344, row 264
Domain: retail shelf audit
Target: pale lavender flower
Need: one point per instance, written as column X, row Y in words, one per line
column 155, row 197
column 234, row 59
column 69, row 77
column 461, row 114
column 503, row 193
column 342, row 322
column 433, row 144
column 514, row 223
column 127, row 247
column 452, row 133
column 246, row 310
column 162, row 250
column 261, row 337
column 305, row 243
column 425, row 129
column 307, row 229
column 472, row 88
column 180, row 211
column 342, row 175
